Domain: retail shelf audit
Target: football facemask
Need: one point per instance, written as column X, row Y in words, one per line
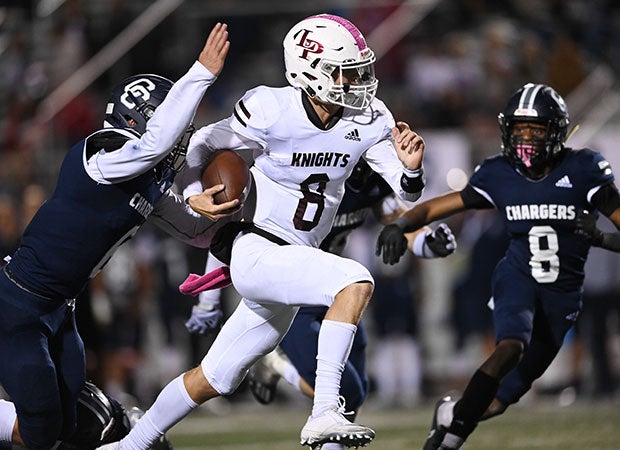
column 534, row 104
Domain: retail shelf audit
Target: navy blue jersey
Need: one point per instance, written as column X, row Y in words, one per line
column 78, row 229
column 354, row 208
column 540, row 214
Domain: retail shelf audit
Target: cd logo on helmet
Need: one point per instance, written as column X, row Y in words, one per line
column 308, row 45
column 140, row 88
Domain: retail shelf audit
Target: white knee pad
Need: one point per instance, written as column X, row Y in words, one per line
column 251, row 332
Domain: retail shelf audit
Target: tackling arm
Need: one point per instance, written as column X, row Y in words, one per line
column 392, row 242
column 431, row 210
column 423, row 242
column 172, row 215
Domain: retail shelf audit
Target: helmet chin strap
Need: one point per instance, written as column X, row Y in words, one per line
column 306, row 88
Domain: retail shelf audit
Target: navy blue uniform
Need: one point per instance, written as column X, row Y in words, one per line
column 70, row 238
column 537, row 285
column 84, row 221
column 109, row 184
column 301, row 342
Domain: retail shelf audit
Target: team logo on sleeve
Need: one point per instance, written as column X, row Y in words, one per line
column 141, row 88
column 308, row 45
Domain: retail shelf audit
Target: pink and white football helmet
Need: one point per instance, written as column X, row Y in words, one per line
column 319, row 50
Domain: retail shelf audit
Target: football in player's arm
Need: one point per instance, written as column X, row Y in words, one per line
column 549, row 197
column 306, row 139
column 109, row 184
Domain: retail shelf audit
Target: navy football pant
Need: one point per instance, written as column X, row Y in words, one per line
column 537, row 316
column 43, row 366
column 301, row 345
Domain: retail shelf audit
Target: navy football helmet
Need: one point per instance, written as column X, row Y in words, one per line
column 100, row 420
column 133, row 102
column 538, row 104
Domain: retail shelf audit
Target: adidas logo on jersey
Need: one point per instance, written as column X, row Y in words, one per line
column 353, row 135
column 564, row 182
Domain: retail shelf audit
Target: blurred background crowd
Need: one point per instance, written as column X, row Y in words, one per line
column 445, row 67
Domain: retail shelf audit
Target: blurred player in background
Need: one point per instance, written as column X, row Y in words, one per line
column 109, row 184
column 549, row 197
column 306, row 139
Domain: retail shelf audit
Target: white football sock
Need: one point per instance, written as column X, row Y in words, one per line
column 8, row 416
column 171, row 405
column 335, row 341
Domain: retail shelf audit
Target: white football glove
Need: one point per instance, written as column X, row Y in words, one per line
column 437, row 244
column 205, row 318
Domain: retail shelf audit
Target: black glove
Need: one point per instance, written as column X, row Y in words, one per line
column 441, row 241
column 392, row 243
column 585, row 225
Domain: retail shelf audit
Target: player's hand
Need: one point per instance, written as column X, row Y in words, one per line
column 441, row 241
column 205, row 205
column 216, row 48
column 409, row 145
column 204, row 319
column 392, row 243
column 585, row 225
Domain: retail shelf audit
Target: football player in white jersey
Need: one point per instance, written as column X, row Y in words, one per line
column 306, row 140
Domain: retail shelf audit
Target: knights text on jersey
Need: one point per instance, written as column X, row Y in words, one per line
column 540, row 215
column 299, row 175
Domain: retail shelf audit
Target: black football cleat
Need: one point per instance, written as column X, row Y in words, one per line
column 438, row 430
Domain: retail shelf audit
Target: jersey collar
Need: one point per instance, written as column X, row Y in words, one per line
column 314, row 117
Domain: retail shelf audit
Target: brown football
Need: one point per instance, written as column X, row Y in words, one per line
column 228, row 168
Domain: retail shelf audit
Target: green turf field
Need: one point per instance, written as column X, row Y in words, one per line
column 581, row 426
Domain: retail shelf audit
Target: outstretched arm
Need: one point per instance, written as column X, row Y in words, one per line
column 392, row 242
column 431, row 210
column 170, row 120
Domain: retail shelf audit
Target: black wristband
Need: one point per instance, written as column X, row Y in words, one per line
column 413, row 181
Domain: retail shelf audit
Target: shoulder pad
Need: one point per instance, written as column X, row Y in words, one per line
column 259, row 108
column 108, row 140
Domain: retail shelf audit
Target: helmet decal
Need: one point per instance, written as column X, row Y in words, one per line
column 526, row 101
column 308, row 45
column 357, row 34
column 133, row 101
column 140, row 88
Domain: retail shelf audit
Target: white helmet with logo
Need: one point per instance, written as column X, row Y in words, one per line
column 319, row 50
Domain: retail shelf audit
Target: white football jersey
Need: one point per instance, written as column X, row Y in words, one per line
column 299, row 169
